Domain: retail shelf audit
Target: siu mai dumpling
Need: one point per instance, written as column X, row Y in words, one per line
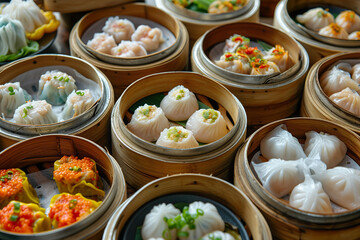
column 102, row 42
column 207, row 125
column 315, row 19
column 147, row 122
column 11, row 97
column 348, row 20
column 129, row 49
column 151, row 38
column 355, row 72
column 263, row 67
column 120, row 29
column 348, row 99
column 78, row 102
column 235, row 41
column 35, row 113
column 354, row 35
column 334, row 31
column 177, row 137
column 234, row 63
column 279, row 56
column 179, row 104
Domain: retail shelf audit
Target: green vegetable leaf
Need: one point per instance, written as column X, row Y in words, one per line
column 32, row 47
column 264, row 45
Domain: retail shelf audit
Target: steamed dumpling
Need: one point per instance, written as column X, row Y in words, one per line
column 12, row 35
column 315, row 19
column 279, row 143
column 347, row 99
column 233, row 42
column 355, row 72
column 120, row 29
column 348, row 20
column 218, row 235
column 102, row 42
column 128, row 49
column 179, row 104
column 177, row 137
column 279, row 56
column 147, row 122
column 207, row 125
column 234, row 63
column 77, row 103
column 354, row 35
column 35, row 113
column 151, row 38
column 335, row 31
column 263, row 67
column 11, row 97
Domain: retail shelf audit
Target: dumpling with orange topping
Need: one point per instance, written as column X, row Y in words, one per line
column 14, row 185
column 316, row 18
column 263, row 67
column 348, row 20
column 73, row 175
column 238, row 63
column 66, row 209
column 334, row 31
column 24, row 218
column 235, row 41
column 177, row 137
column 279, row 56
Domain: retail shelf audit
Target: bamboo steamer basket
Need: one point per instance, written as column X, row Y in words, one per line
column 316, row 49
column 95, row 128
column 143, row 161
column 286, row 222
column 30, row 156
column 197, row 27
column 122, row 76
column 316, row 103
column 263, row 103
column 197, row 184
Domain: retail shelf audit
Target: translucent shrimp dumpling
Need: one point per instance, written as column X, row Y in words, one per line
column 77, row 103
column 179, row 104
column 154, row 225
column 235, row 41
column 12, row 35
column 354, row 35
column 238, row 63
column 128, row 49
column 207, row 125
column 348, row 20
column 310, row 196
column 177, row 137
column 55, row 86
column 35, row 113
column 347, row 99
column 151, row 38
column 218, row 235
column 315, row 19
column 279, row 56
column 11, row 97
column 120, row 29
column 334, row 31
column 263, row 67
column 102, row 42
column 147, row 122
column 355, row 73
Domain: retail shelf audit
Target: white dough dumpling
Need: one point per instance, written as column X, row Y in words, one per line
column 347, row 99
column 217, row 235
column 354, row 35
column 147, row 122
column 102, row 42
column 207, row 125
column 279, row 56
column 11, row 97
column 330, row 148
column 179, row 104
column 235, row 63
column 177, row 137
column 279, row 143
column 355, row 73
column 120, row 29
column 77, row 103
column 129, row 49
column 151, row 38
column 315, row 19
column 334, row 31
column 348, row 20
column 35, row 113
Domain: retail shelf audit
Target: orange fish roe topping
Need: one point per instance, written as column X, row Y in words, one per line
column 68, row 209
column 11, row 182
column 17, row 217
column 335, row 29
column 73, row 170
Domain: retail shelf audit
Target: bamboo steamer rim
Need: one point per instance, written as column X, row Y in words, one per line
column 280, row 8
column 273, row 202
column 116, row 194
column 92, row 17
column 239, row 116
column 189, row 183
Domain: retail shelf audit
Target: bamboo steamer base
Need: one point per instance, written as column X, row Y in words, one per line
column 122, row 76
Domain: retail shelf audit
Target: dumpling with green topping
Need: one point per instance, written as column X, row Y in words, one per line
column 147, row 122
column 11, row 97
column 78, row 102
column 35, row 113
column 218, row 235
column 207, row 125
column 177, row 137
column 56, row 86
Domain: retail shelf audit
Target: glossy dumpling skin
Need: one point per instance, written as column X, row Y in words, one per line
column 12, row 35
column 279, row 143
column 102, row 42
column 263, row 67
column 235, row 41
column 120, row 29
column 207, row 125
column 335, row 31
column 348, row 20
column 315, row 19
column 234, row 63
column 147, row 122
column 11, row 97
column 55, row 86
column 355, row 72
column 154, row 224
column 35, row 113
column 78, row 102
column 342, row 185
column 151, row 38
column 330, row 148
column 310, row 196
column 354, row 35
column 279, row 56
column 217, row 235
column 128, row 49
column 347, row 99
column 177, row 137
column 179, row 104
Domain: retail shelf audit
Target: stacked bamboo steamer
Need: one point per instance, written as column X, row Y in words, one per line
column 121, row 75
column 263, row 102
column 315, row 48
column 143, row 161
column 285, row 221
column 317, row 104
column 96, row 125
column 30, row 156
column 197, row 185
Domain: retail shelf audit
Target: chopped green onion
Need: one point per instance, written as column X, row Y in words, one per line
column 13, row 218
column 67, row 79
column 29, row 107
column 25, row 112
column 11, row 93
column 10, row 172
column 16, row 207
column 80, row 93
column 72, row 203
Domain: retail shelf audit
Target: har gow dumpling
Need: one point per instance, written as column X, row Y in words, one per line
column 218, row 235
column 207, row 125
column 55, row 87
column 11, row 97
column 355, row 72
column 279, row 56
column 263, row 67
column 128, row 49
column 347, row 99
column 315, row 19
column 354, row 35
column 179, row 104
column 77, row 103
column 348, row 20
column 233, row 42
column 238, row 63
column 12, row 35
column 279, row 143
column 120, row 29
column 35, row 113
column 102, row 42
column 334, row 31
column 147, row 122
column 177, row 137
column 151, row 38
